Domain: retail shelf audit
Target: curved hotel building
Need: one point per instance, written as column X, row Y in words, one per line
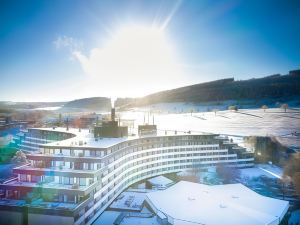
column 73, row 176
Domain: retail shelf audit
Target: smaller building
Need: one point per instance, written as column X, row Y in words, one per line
column 231, row 204
column 147, row 130
column 111, row 128
column 159, row 183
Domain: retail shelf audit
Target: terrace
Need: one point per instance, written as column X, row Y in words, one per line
column 28, row 169
column 54, row 187
column 39, row 203
column 60, row 156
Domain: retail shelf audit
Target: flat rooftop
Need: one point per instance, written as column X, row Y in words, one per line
column 231, row 204
column 160, row 180
column 86, row 139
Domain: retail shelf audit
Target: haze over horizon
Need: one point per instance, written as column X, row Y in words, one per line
column 58, row 51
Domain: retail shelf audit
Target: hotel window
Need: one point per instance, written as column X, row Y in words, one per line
column 66, row 180
column 65, row 151
column 23, row 177
column 35, row 178
column 82, row 181
column 49, row 178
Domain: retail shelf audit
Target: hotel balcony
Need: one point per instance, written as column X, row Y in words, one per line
column 56, row 171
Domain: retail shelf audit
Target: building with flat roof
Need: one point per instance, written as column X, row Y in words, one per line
column 111, row 129
column 231, row 204
column 73, row 176
column 159, row 182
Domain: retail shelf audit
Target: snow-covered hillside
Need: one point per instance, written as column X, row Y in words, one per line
column 245, row 122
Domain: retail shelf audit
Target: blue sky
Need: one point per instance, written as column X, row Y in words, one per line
column 47, row 47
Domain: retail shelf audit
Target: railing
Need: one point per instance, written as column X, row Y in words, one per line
column 10, row 180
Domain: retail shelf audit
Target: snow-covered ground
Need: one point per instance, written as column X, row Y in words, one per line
column 139, row 221
column 52, row 108
column 245, row 122
column 107, row 218
column 267, row 170
column 180, row 107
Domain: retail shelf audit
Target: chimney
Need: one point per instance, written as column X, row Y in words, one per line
column 113, row 114
column 67, row 123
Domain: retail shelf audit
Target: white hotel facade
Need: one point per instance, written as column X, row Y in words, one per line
column 73, row 179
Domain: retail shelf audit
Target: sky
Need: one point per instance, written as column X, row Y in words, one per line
column 64, row 50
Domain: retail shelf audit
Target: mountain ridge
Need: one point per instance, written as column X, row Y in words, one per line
column 274, row 86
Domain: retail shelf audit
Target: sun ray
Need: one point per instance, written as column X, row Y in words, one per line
column 171, row 14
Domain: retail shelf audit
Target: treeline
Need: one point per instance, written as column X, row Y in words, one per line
column 275, row 86
column 292, row 171
column 96, row 103
column 267, row 149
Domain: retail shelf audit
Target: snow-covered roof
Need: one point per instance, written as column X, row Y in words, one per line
column 87, row 142
column 160, row 180
column 86, row 138
column 83, row 138
column 231, row 204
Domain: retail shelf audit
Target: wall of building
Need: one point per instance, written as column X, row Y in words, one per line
column 131, row 161
column 41, row 219
column 11, row 218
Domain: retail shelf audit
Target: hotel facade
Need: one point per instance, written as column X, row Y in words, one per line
column 72, row 176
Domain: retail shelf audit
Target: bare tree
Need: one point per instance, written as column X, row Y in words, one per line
column 215, row 111
column 192, row 110
column 227, row 174
column 284, row 106
column 296, row 182
column 292, row 170
column 19, row 158
column 284, row 182
column 233, row 108
column 191, row 176
column 264, row 107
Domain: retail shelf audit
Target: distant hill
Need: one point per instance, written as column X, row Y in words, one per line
column 271, row 87
column 28, row 105
column 95, row 104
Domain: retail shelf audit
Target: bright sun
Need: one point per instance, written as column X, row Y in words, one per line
column 138, row 60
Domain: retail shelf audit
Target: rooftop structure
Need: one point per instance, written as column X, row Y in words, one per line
column 160, row 182
column 111, row 129
column 231, row 204
column 147, row 130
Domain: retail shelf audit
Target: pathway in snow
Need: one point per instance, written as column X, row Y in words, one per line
column 274, row 174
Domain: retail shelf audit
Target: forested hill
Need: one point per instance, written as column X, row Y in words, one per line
column 270, row 87
column 95, row 103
